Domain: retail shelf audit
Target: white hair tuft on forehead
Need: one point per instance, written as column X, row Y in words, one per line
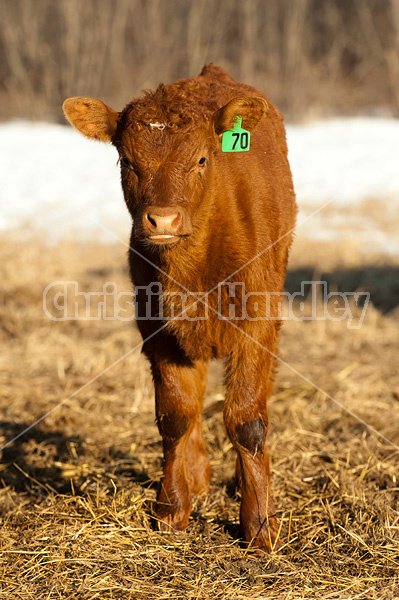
column 157, row 125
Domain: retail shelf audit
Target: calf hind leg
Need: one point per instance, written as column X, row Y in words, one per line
column 198, row 466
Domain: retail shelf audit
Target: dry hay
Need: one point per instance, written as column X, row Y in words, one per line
column 77, row 489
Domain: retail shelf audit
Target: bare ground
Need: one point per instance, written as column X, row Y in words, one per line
column 77, row 488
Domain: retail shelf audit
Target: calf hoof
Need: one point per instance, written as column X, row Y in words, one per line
column 172, row 516
column 262, row 536
column 170, row 522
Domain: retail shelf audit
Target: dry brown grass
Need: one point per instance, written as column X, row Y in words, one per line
column 76, row 490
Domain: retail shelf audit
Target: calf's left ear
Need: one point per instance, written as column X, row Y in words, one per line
column 250, row 109
column 91, row 117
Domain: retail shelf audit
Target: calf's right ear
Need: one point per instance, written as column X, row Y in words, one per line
column 91, row 117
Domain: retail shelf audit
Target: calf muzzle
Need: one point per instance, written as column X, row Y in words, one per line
column 165, row 224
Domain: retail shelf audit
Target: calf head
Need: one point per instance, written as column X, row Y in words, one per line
column 167, row 156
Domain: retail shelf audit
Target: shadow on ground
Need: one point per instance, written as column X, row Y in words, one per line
column 381, row 282
column 46, row 462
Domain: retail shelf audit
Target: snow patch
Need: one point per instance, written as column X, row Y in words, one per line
column 55, row 182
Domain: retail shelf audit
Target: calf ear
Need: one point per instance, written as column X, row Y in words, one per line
column 91, row 117
column 250, row 109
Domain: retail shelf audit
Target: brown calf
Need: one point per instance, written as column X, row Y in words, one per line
column 211, row 229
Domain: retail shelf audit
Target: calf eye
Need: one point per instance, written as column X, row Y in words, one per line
column 202, row 161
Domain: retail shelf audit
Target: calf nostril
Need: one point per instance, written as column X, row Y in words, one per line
column 164, row 222
column 176, row 220
column 151, row 220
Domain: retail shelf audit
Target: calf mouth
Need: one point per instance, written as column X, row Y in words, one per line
column 163, row 240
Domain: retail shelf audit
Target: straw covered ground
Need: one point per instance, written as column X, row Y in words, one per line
column 77, row 488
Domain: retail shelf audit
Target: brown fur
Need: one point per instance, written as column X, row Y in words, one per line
column 219, row 214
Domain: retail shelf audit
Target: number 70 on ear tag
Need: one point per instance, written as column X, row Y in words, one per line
column 236, row 139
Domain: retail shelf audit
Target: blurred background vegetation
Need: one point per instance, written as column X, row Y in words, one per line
column 311, row 57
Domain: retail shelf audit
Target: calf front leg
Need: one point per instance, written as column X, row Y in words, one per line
column 179, row 392
column 249, row 384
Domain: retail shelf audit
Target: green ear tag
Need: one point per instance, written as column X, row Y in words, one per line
column 236, row 139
